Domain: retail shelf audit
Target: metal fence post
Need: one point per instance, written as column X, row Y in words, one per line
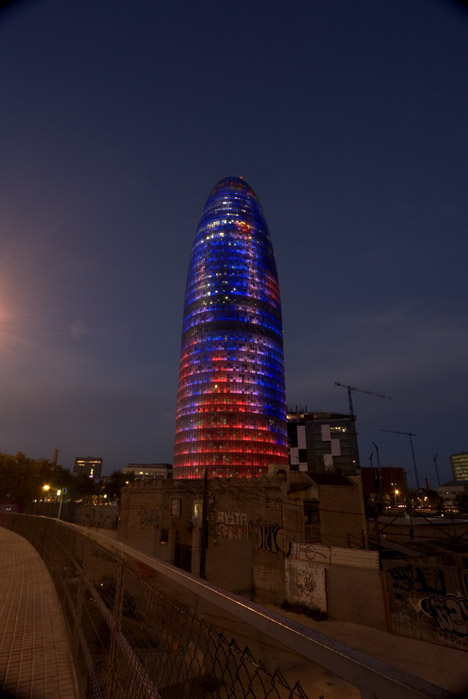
column 115, row 626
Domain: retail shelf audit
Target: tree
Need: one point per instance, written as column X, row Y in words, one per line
column 82, row 487
column 112, row 487
column 22, row 478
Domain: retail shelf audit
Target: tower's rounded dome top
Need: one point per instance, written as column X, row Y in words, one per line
column 233, row 197
column 233, row 183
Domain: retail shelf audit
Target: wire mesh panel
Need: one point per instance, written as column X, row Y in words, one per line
column 141, row 628
column 130, row 638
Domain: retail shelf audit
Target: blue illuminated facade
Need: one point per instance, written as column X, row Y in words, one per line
column 231, row 406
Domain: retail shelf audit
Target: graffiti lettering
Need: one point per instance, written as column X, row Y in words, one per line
column 417, row 580
column 148, row 516
column 238, row 518
column 308, row 552
column 308, row 586
column 449, row 613
column 232, row 531
column 269, row 539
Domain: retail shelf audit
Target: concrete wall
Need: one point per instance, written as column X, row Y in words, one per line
column 344, row 582
column 428, row 600
column 306, row 582
column 356, row 595
column 155, row 517
column 342, row 516
column 247, row 536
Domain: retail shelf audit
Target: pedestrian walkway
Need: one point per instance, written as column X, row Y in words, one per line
column 443, row 666
column 35, row 660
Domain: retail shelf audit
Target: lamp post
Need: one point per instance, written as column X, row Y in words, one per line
column 60, row 492
column 397, row 492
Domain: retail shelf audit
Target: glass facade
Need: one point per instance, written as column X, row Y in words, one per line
column 231, row 409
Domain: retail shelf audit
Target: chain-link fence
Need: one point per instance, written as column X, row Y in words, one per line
column 135, row 634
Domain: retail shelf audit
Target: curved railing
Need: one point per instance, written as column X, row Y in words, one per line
column 142, row 628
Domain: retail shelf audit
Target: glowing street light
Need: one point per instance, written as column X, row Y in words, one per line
column 397, row 492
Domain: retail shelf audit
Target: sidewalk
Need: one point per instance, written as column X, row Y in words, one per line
column 443, row 666
column 35, row 659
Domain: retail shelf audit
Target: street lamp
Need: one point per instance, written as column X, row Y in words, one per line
column 397, row 492
column 60, row 492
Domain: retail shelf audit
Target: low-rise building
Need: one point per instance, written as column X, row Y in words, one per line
column 90, row 465
column 459, row 464
column 449, row 492
column 250, row 523
column 143, row 471
column 385, row 480
column 322, row 442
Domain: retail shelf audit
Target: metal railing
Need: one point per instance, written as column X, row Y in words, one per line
column 142, row 628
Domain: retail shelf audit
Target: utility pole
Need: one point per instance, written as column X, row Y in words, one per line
column 379, row 480
column 352, row 413
column 410, row 435
column 377, row 452
column 436, row 469
column 204, row 526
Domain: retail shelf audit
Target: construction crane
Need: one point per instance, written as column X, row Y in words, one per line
column 351, row 410
column 410, row 435
column 353, row 388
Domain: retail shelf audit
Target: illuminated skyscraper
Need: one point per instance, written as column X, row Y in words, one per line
column 231, row 409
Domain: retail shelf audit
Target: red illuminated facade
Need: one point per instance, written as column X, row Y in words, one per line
column 231, row 409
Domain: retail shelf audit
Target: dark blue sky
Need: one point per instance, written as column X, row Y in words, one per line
column 350, row 121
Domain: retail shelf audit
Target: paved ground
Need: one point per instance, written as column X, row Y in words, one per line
column 35, row 660
column 440, row 665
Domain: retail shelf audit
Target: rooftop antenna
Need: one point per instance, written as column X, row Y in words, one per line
column 410, row 435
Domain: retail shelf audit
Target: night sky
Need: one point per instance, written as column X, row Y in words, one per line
column 348, row 119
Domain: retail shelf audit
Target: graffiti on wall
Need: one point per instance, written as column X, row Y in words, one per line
column 310, row 552
column 232, row 525
column 272, row 538
column 148, row 516
column 306, row 583
column 427, row 602
column 448, row 612
column 417, row 580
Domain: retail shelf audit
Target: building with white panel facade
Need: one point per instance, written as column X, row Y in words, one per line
column 322, row 442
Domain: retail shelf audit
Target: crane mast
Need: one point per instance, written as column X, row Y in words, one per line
column 410, row 435
column 351, row 410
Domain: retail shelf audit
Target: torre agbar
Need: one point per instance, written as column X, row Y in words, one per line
column 231, row 407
